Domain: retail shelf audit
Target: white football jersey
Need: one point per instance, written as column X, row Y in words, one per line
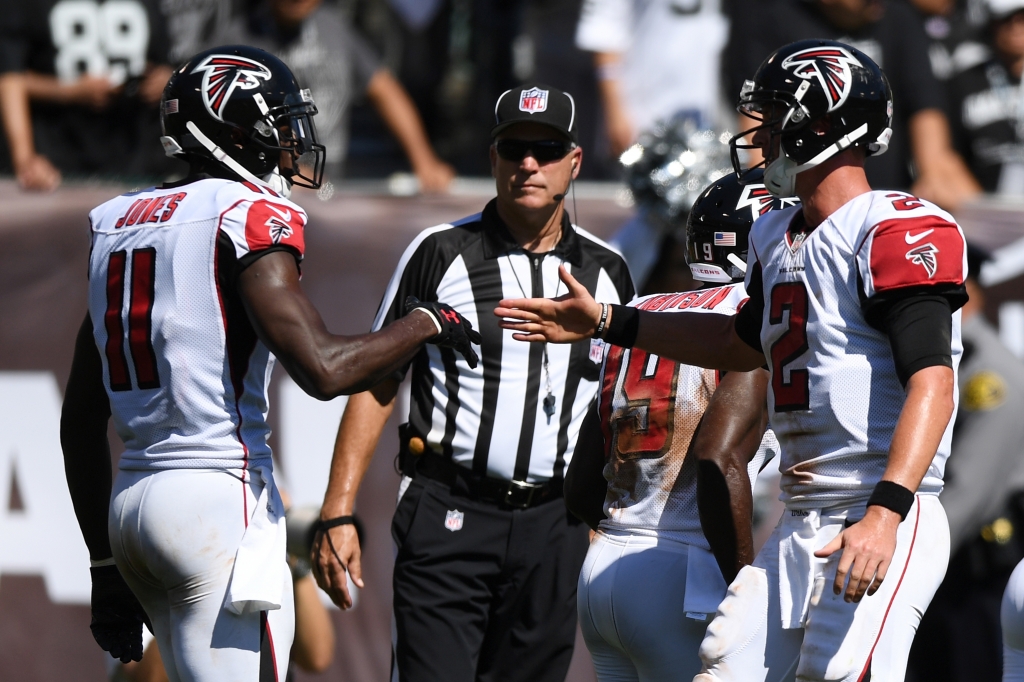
column 184, row 370
column 834, row 394
column 650, row 408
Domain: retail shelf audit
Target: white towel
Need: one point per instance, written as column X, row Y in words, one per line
column 803, row 533
column 257, row 580
column 705, row 586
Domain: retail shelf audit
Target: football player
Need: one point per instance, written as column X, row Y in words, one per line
column 193, row 291
column 650, row 583
column 854, row 300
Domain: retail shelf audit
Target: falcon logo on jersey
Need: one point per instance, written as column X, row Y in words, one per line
column 830, row 66
column 279, row 227
column 223, row 74
column 533, row 101
column 760, row 201
column 924, row 256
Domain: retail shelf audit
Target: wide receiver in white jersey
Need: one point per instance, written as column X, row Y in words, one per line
column 193, row 291
column 854, row 300
column 658, row 433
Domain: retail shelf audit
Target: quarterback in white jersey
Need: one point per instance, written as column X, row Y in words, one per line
column 193, row 290
column 650, row 582
column 854, row 306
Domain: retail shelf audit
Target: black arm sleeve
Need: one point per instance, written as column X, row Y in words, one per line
column 920, row 334
column 751, row 315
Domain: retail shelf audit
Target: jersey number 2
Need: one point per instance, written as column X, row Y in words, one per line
column 792, row 395
column 140, row 320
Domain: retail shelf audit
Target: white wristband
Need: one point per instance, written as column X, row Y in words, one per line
column 433, row 319
column 101, row 563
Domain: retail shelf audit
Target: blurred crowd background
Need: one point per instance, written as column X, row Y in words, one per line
column 408, row 87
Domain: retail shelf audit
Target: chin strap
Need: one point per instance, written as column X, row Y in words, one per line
column 222, row 156
column 738, row 262
column 780, row 175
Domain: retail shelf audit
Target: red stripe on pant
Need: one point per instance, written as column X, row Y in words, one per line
column 910, row 552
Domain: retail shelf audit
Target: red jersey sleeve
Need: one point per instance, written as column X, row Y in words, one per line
column 270, row 224
column 256, row 225
column 924, row 250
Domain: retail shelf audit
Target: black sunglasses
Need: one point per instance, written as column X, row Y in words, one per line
column 545, row 151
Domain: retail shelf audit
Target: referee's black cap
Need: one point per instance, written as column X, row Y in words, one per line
column 537, row 103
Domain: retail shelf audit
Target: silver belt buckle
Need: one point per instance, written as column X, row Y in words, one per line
column 520, row 494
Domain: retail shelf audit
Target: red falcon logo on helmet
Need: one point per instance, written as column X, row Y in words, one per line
column 223, row 74
column 760, row 201
column 830, row 66
column 924, row 256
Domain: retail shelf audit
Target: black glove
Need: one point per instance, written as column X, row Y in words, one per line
column 457, row 332
column 117, row 616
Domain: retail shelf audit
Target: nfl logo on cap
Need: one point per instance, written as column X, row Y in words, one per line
column 533, row 100
column 453, row 520
column 725, row 239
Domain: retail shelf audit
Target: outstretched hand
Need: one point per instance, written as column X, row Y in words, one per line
column 565, row 319
column 456, row 333
column 867, row 549
column 117, row 616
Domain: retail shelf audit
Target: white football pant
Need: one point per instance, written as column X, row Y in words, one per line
column 630, row 600
column 174, row 535
column 781, row 615
column 1011, row 618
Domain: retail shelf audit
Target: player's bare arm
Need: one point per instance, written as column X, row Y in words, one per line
column 83, row 437
column 868, row 545
column 585, row 484
column 337, row 549
column 694, row 339
column 323, row 364
column 727, row 439
column 117, row 616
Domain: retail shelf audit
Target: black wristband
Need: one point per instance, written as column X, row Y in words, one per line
column 892, row 496
column 623, row 327
column 322, row 525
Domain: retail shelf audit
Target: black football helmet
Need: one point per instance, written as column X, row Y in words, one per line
column 241, row 107
column 719, row 223
column 816, row 98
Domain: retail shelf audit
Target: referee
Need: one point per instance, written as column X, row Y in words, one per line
column 488, row 558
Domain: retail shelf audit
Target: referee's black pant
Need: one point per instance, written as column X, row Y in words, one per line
column 492, row 601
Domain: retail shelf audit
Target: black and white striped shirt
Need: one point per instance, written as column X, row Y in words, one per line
column 492, row 419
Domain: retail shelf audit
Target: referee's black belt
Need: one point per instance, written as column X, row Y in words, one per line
column 513, row 494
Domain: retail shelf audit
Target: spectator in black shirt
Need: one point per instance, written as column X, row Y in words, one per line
column 891, row 34
column 988, row 120
column 93, row 72
column 954, row 29
column 337, row 65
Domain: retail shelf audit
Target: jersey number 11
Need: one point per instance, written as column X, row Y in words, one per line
column 140, row 320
